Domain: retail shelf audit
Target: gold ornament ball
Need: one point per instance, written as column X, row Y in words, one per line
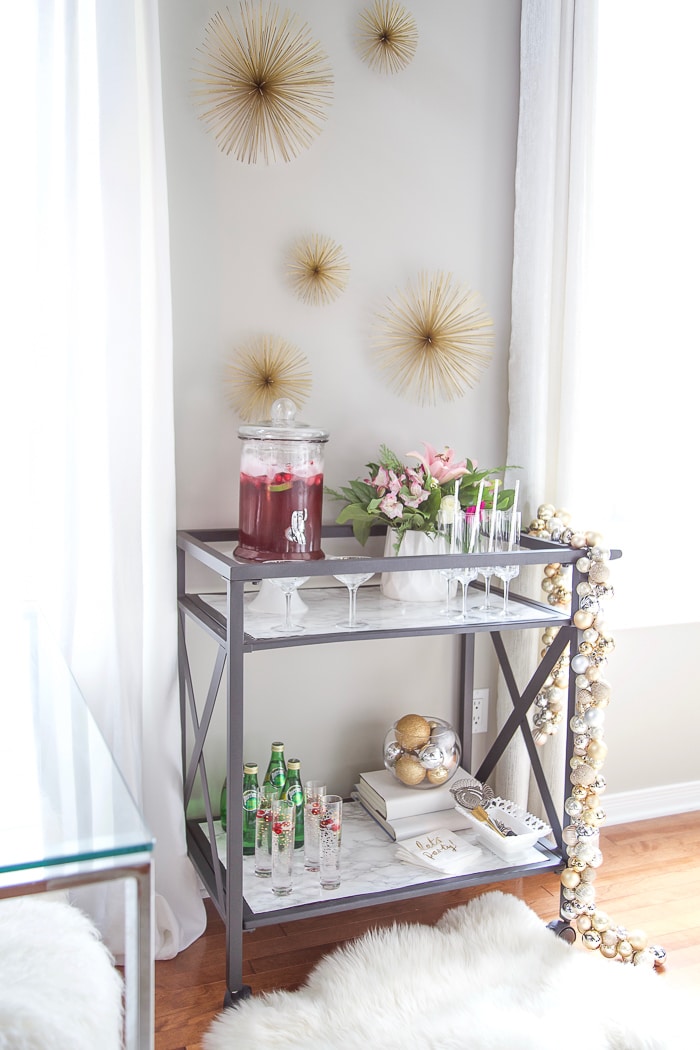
column 570, row 878
column 638, row 939
column 583, row 619
column 608, row 951
column 412, row 732
column 438, row 776
column 409, row 770
column 601, row 921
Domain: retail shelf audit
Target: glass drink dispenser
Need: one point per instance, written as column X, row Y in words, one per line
column 281, row 488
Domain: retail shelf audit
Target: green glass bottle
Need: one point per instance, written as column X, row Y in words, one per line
column 294, row 791
column 222, row 806
column 251, row 797
column 277, row 768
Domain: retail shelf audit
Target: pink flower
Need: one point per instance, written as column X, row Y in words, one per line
column 441, row 465
column 391, row 507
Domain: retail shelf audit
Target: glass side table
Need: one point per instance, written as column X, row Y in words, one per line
column 67, row 818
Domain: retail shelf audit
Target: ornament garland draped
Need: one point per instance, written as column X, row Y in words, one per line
column 583, row 805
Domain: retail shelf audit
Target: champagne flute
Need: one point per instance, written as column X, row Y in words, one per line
column 288, row 585
column 450, row 540
column 467, row 573
column 486, row 539
column 507, row 539
column 353, row 581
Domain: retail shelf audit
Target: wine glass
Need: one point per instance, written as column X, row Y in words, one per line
column 288, row 585
column 353, row 581
column 450, row 540
column 507, row 539
column 486, row 542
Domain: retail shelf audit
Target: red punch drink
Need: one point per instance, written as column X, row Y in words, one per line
column 281, row 489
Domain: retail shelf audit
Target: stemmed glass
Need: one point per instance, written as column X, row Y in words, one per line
column 458, row 536
column 507, row 539
column 288, row 585
column 487, row 539
column 450, row 540
column 353, row 581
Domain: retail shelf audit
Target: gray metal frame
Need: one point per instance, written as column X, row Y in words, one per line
column 225, row 883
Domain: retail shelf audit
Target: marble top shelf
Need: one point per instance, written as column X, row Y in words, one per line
column 369, row 866
column 322, row 610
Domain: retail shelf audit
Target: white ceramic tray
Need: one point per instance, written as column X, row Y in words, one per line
column 528, row 828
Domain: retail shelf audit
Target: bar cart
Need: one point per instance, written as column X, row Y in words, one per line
column 243, row 901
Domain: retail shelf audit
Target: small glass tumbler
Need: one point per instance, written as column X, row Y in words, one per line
column 313, row 791
column 283, row 814
column 263, row 831
column 330, row 832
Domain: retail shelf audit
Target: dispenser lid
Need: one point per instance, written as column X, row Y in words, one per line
column 283, row 425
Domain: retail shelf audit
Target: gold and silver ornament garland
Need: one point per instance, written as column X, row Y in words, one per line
column 583, row 806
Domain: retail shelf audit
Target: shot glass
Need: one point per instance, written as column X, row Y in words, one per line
column 313, row 790
column 330, row 831
column 283, row 814
column 263, row 831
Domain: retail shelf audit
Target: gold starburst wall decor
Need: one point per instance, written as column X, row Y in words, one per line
column 318, row 270
column 264, row 369
column 265, row 84
column 387, row 36
column 434, row 340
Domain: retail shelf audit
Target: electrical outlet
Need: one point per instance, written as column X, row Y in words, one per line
column 480, row 711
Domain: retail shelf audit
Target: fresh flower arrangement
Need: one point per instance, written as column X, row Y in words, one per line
column 409, row 498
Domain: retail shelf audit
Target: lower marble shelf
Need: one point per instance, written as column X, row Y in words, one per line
column 369, row 866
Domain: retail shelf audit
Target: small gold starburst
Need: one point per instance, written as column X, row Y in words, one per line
column 265, row 83
column 318, row 270
column 434, row 340
column 265, row 369
column 388, row 36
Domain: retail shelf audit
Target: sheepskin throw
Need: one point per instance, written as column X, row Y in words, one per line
column 489, row 976
column 58, row 987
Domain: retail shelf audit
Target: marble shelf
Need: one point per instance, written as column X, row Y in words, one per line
column 326, row 607
column 369, row 866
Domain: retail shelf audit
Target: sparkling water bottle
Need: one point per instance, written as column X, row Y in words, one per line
column 294, row 792
column 251, row 796
column 277, row 769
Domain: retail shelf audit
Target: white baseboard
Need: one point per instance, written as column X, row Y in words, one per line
column 624, row 807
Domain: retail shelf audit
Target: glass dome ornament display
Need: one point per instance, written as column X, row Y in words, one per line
column 422, row 751
column 281, row 488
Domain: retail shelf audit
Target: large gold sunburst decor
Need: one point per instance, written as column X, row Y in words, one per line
column 265, row 84
column 263, row 370
column 434, row 340
column 387, row 36
column 318, row 269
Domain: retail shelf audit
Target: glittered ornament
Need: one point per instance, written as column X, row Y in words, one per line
column 409, row 770
column 412, row 731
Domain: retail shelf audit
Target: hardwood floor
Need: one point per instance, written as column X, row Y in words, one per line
column 650, row 878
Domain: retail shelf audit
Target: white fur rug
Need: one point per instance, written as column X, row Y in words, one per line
column 58, row 987
column 489, row 976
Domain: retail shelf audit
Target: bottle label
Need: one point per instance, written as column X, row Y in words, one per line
column 295, row 794
column 250, row 799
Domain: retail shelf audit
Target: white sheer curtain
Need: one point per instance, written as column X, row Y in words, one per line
column 557, row 80
column 94, row 432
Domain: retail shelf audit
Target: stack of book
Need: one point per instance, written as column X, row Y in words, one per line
column 405, row 812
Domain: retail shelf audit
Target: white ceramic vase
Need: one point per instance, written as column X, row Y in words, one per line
column 424, row 585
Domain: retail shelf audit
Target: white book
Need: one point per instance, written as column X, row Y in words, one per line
column 405, row 827
column 391, row 799
column 442, row 850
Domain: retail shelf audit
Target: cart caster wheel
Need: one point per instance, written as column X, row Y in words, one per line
column 232, row 999
column 563, row 930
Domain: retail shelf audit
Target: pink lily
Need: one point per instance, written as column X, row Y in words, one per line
column 441, row 465
column 391, row 507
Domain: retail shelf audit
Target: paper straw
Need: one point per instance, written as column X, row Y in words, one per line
column 455, row 518
column 513, row 513
column 477, row 517
column 493, row 514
